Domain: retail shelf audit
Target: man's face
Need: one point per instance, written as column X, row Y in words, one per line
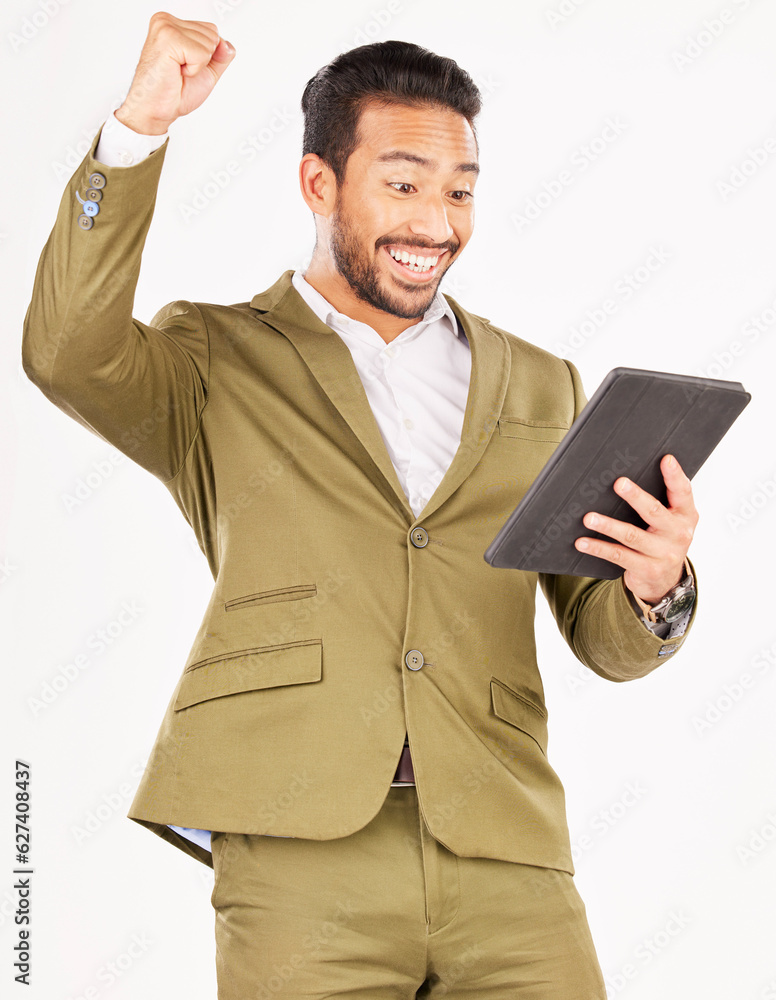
column 408, row 190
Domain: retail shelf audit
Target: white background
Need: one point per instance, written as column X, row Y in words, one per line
column 679, row 880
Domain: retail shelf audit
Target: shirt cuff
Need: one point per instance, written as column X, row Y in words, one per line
column 121, row 146
column 669, row 630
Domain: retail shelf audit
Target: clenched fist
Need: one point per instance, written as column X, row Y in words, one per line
column 180, row 64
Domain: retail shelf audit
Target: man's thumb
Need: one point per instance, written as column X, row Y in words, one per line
column 224, row 52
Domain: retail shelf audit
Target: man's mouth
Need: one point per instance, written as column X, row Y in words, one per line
column 413, row 264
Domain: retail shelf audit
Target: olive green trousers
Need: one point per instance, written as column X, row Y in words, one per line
column 390, row 912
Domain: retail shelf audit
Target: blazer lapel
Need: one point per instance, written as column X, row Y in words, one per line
column 330, row 362
column 491, row 361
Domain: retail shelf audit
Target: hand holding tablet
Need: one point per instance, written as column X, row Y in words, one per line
column 634, row 423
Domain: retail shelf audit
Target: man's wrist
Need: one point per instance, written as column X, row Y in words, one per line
column 674, row 602
column 141, row 125
column 122, row 146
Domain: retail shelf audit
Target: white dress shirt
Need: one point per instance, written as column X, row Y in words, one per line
column 417, row 385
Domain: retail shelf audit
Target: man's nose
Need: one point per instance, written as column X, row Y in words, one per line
column 430, row 220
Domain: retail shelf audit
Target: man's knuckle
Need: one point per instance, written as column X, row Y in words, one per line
column 631, row 537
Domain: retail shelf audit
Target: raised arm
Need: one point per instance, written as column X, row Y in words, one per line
column 140, row 387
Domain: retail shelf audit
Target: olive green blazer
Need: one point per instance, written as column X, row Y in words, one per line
column 291, row 708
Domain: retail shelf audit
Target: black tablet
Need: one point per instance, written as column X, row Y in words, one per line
column 632, row 420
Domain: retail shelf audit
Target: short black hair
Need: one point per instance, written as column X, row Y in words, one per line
column 388, row 72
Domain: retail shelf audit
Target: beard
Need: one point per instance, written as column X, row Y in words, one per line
column 363, row 274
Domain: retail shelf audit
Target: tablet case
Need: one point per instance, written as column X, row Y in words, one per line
column 632, row 420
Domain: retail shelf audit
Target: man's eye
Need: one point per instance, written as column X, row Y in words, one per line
column 459, row 196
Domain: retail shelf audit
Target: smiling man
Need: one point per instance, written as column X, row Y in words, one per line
column 393, row 225
column 357, row 743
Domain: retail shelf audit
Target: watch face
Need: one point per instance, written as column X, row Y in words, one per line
column 680, row 605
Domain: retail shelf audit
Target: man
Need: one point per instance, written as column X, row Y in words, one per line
column 357, row 743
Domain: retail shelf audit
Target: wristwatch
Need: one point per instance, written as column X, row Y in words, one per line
column 676, row 602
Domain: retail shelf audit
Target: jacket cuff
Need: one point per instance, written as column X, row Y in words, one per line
column 633, row 650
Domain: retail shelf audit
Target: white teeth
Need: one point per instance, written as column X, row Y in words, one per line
column 413, row 262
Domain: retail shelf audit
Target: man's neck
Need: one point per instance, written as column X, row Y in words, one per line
column 335, row 289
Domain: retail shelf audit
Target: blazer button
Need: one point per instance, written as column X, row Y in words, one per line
column 414, row 659
column 93, row 194
column 419, row 537
column 85, row 222
column 91, row 208
column 97, row 180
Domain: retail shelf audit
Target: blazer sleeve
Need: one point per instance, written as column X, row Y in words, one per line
column 597, row 618
column 140, row 387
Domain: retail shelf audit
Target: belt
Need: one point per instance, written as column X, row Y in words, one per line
column 404, row 772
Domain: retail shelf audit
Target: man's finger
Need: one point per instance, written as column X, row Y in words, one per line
column 611, row 552
column 649, row 508
column 678, row 485
column 647, row 543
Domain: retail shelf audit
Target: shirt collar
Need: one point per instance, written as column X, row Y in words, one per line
column 328, row 315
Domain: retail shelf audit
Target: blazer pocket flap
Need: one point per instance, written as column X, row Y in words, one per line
column 519, row 712
column 250, row 670
column 530, row 430
column 296, row 593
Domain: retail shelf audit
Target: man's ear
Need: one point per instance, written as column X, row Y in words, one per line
column 317, row 184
